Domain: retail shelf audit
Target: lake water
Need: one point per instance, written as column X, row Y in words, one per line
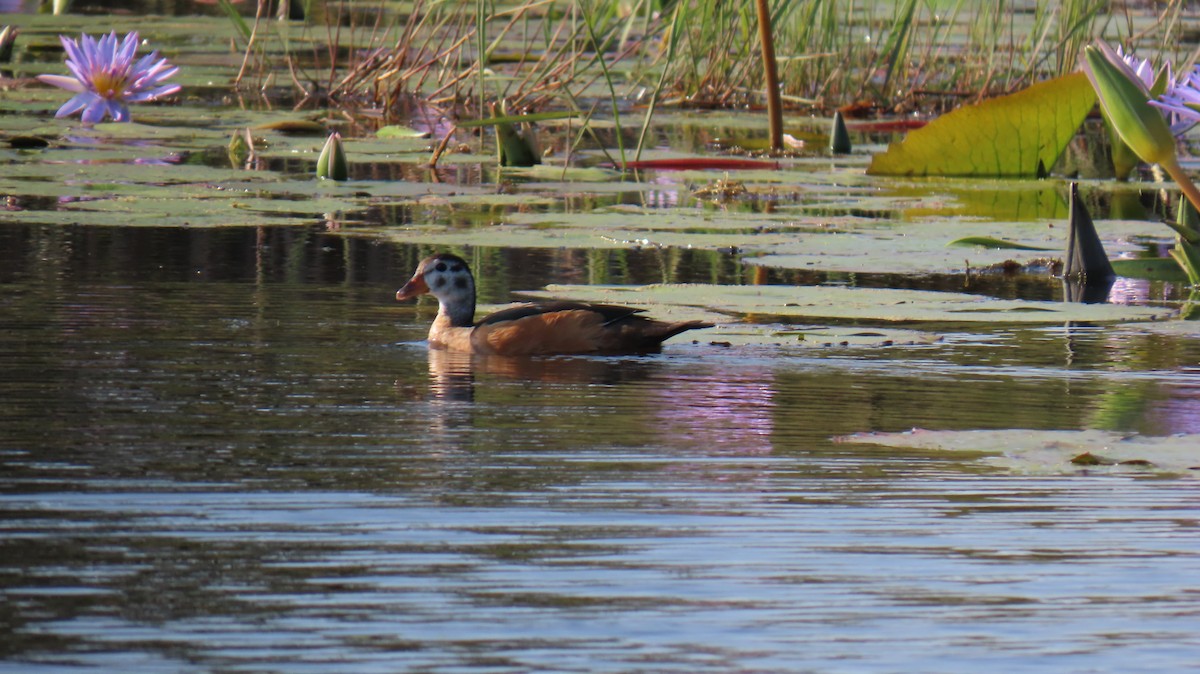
column 229, row 450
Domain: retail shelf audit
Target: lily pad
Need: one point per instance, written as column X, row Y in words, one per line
column 1033, row 451
column 992, row 242
column 879, row 246
column 301, row 127
column 1021, row 134
column 815, row 337
column 1153, row 269
column 837, row 302
column 396, row 131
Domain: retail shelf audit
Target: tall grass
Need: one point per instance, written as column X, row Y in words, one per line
column 835, row 52
column 464, row 55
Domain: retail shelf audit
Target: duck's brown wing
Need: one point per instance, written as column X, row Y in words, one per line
column 571, row 327
column 609, row 313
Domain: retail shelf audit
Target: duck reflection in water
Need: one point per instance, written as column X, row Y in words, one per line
column 453, row 374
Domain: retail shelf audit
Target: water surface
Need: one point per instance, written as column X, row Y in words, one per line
column 231, row 451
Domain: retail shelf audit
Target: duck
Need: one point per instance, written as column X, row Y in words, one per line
column 544, row 328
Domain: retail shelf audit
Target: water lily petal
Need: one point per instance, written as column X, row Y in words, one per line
column 68, row 83
column 77, row 103
column 1182, row 101
column 128, row 48
column 72, row 49
column 95, row 111
column 118, row 111
column 152, row 94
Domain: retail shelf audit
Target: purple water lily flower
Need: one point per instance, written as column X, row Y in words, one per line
column 106, row 79
column 1141, row 69
column 1182, row 101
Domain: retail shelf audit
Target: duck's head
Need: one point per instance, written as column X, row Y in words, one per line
column 447, row 278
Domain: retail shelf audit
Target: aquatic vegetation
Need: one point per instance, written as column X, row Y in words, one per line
column 8, row 35
column 331, row 164
column 1018, row 135
column 106, row 78
column 1053, row 452
column 1125, row 98
column 839, row 136
column 825, row 303
column 1182, row 100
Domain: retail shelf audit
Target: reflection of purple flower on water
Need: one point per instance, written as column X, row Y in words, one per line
column 106, row 78
column 722, row 412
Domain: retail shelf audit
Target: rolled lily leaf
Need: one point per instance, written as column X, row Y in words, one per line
column 839, row 137
column 1086, row 258
column 331, row 165
column 1127, row 106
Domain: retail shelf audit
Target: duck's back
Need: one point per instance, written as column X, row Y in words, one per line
column 572, row 327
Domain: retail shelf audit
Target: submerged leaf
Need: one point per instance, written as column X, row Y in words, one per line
column 990, row 242
column 1006, row 136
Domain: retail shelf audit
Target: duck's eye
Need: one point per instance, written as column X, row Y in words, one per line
column 441, row 266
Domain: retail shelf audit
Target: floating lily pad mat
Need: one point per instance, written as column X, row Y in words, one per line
column 507, row 236
column 818, row 337
column 1031, row 451
column 837, row 302
column 921, row 247
column 789, row 237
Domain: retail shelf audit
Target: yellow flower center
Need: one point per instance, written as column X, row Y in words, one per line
column 108, row 85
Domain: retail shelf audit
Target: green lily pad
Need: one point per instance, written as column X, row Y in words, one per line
column 992, row 242
column 397, row 131
column 814, row 337
column 880, row 246
column 1153, row 269
column 1020, row 134
column 837, row 302
column 303, row 127
column 1054, row 452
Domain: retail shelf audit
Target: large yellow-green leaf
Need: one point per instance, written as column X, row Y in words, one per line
column 1008, row 136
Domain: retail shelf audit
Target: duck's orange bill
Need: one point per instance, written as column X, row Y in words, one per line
column 415, row 286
